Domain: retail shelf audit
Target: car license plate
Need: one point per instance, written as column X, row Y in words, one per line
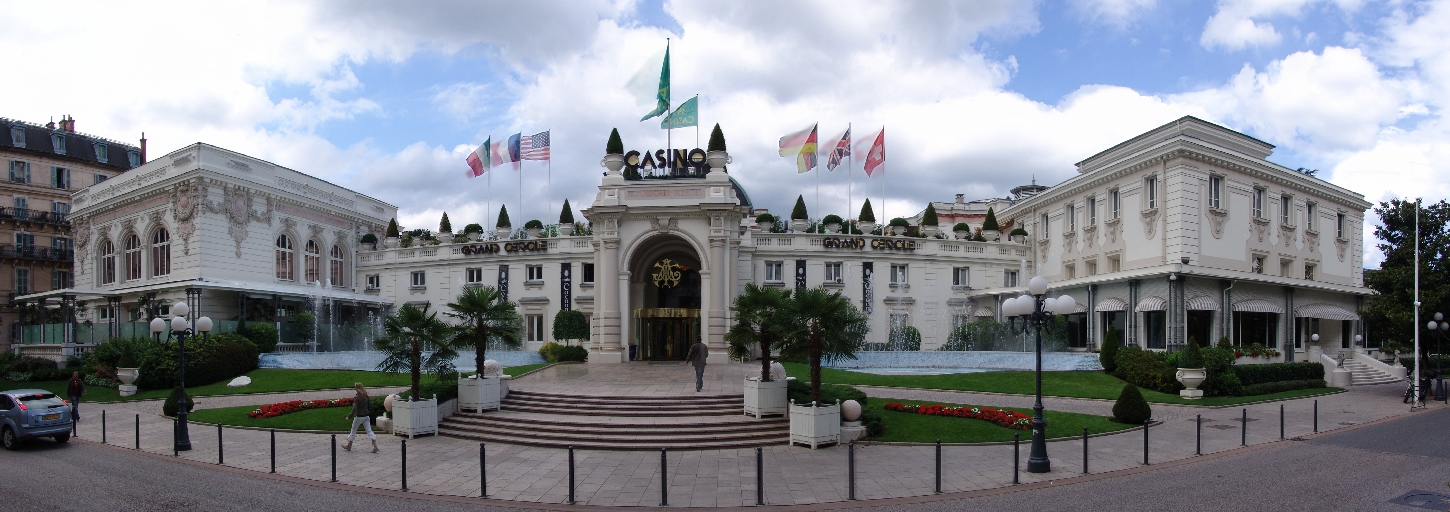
column 49, row 417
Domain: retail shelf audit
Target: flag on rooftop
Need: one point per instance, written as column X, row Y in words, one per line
column 841, row 151
column 802, row 145
column 536, row 146
column 662, row 94
column 876, row 152
column 479, row 160
column 685, row 115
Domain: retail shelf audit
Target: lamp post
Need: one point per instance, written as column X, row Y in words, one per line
column 180, row 329
column 1437, row 329
column 1036, row 309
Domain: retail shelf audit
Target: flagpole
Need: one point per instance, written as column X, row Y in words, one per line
column 697, row 121
column 549, row 164
column 848, row 174
column 883, row 182
column 488, row 203
column 669, row 121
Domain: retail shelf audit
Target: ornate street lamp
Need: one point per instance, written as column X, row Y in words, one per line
column 180, row 330
column 1437, row 328
column 1036, row 310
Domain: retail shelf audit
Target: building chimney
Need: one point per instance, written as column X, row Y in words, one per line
column 143, row 148
column 51, row 124
column 961, row 198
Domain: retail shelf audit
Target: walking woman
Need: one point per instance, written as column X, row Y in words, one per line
column 361, row 415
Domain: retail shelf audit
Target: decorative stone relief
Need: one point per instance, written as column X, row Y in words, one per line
column 1259, row 227
column 1217, row 217
column 1090, row 236
column 153, row 220
column 1341, row 246
column 237, row 206
column 81, row 230
column 1069, row 242
column 128, row 226
column 1286, row 235
column 1150, row 222
column 186, row 200
column 1311, row 241
column 664, row 226
column 288, row 224
column 1113, row 226
column 314, row 232
column 1043, row 245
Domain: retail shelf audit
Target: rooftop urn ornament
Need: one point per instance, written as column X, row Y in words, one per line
column 716, row 155
column 613, row 153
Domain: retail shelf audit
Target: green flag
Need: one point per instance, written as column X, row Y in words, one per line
column 685, row 115
column 662, row 98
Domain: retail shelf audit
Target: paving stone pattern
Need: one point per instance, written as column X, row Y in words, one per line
column 710, row 478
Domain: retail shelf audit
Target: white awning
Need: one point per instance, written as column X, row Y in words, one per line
column 1201, row 303
column 1112, row 304
column 1154, row 303
column 985, row 313
column 1257, row 306
column 1080, row 308
column 1325, row 311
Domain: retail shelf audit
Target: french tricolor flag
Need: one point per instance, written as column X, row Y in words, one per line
column 478, row 160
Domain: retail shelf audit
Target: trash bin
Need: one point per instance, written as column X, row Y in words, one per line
column 631, row 351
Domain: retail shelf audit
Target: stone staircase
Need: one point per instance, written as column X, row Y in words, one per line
column 591, row 422
column 1363, row 375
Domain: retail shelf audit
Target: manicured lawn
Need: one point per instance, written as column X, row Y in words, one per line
column 917, row 428
column 1064, row 384
column 515, row 371
column 331, row 418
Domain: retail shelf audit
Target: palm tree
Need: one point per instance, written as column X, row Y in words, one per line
column 404, row 334
column 486, row 318
column 761, row 316
column 826, row 326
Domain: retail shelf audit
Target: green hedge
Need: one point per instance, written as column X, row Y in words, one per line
column 1264, row 388
column 446, row 389
column 556, row 353
column 263, row 335
column 800, row 392
column 209, row 359
column 1251, row 374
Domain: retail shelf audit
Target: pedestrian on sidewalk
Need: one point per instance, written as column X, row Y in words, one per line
column 361, row 414
column 75, row 388
column 697, row 355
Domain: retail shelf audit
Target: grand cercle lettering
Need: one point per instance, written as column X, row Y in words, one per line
column 880, row 244
column 495, row 248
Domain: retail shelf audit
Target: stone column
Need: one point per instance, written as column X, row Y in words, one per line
column 608, row 345
column 718, row 301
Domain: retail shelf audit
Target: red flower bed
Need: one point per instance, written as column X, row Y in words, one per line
column 278, row 409
column 1009, row 419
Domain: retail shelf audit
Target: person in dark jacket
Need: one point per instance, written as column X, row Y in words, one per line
column 697, row 356
column 361, row 415
column 76, row 388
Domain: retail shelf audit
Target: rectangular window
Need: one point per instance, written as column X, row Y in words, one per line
column 60, row 243
column 473, row 275
column 1070, row 212
column 22, row 207
column 24, row 241
column 1115, row 263
column 374, row 282
column 420, row 279
column 773, row 272
column 1150, row 187
column 1284, row 268
column 961, row 276
column 1114, row 201
column 60, row 178
column 533, row 272
column 1215, row 192
column 833, row 272
column 134, row 158
column 1309, row 211
column 1070, row 270
column 1303, row 329
column 1308, row 272
column 99, row 178
column 1045, row 220
column 1258, row 203
column 61, row 279
column 536, row 327
column 19, row 171
column 588, row 273
column 898, row 274
column 22, row 281
column 60, row 208
column 17, row 136
column 1286, row 205
column 1339, row 226
column 1092, row 211
column 103, row 153
column 1257, row 265
column 1009, row 278
column 1346, row 334
column 57, row 143
column 1155, row 329
column 1091, row 267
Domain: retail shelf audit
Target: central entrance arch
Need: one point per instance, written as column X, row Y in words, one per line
column 665, row 298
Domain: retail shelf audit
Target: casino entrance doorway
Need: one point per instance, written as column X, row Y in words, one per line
column 666, row 288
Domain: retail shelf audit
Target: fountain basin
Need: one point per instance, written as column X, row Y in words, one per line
column 936, row 362
column 369, row 359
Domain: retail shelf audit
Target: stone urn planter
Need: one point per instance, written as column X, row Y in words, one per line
column 127, row 376
column 613, row 162
column 1191, row 378
column 799, row 225
column 566, row 229
column 503, row 232
column 866, row 227
column 991, row 234
column 475, row 236
column 962, row 235
column 834, row 227
column 717, row 159
column 930, row 231
column 415, row 417
column 391, row 242
column 815, row 425
column 898, row 230
column 765, row 398
column 478, row 393
column 533, row 232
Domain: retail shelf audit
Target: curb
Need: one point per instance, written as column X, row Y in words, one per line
column 1334, row 391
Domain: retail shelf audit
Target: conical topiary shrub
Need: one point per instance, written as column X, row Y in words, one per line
column 717, row 139
column 1131, row 407
column 444, row 226
column 991, row 223
column 614, row 146
column 566, row 216
column 1191, row 356
column 1109, row 354
column 866, row 214
column 503, row 217
column 929, row 218
column 393, row 228
column 799, row 212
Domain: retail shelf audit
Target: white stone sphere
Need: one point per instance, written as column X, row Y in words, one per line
column 850, row 410
column 388, row 402
column 491, row 368
column 777, row 371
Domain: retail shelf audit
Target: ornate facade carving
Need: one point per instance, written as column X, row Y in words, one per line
column 1259, row 227
column 1150, row 222
column 1069, row 242
column 1341, row 246
column 1090, row 236
column 1286, row 235
column 1217, row 217
column 237, row 206
column 186, row 199
column 314, row 232
column 1311, row 241
column 1113, row 226
column 665, row 226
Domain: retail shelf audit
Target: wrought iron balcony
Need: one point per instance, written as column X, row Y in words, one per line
column 31, row 252
column 29, row 215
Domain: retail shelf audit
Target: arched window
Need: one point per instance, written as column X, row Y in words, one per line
column 108, row 262
column 160, row 253
column 284, row 258
column 336, row 266
column 313, row 262
column 133, row 258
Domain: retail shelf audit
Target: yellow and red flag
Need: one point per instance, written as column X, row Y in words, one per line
column 802, row 145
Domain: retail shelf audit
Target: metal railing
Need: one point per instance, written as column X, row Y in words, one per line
column 29, row 215
column 31, row 252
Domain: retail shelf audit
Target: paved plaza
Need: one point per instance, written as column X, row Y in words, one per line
column 714, row 478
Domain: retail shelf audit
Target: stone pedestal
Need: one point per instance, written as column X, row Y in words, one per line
column 851, row 431
column 126, row 390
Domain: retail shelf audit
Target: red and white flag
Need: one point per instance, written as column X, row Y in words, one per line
column 841, row 151
column 535, row 147
column 479, row 160
column 875, row 152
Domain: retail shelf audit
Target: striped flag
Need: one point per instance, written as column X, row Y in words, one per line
column 842, row 150
column 479, row 160
column 802, row 145
column 536, row 146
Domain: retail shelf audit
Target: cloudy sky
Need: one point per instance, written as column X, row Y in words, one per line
column 387, row 98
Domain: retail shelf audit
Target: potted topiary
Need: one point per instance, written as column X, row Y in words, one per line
column 821, row 325
column 867, row 220
column 533, row 227
column 1018, row 234
column 474, row 231
column 715, row 151
column 799, row 221
column 613, row 153
column 391, row 241
column 1191, row 372
column 566, row 220
column 990, row 229
column 445, row 228
column 962, row 231
column 833, row 223
column 929, row 221
column 765, row 222
column 1131, row 407
column 898, row 226
column 502, row 229
column 762, row 317
column 370, row 241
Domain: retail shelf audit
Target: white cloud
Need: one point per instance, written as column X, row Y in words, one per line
column 1239, row 24
column 1119, row 13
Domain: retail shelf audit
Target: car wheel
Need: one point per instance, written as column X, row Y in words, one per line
column 7, row 439
column 62, row 438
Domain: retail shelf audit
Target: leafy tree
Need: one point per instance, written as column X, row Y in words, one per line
column 503, row 217
column 570, row 324
column 991, row 223
column 566, row 216
column 614, row 146
column 762, row 316
column 799, row 212
column 825, row 326
column 866, row 214
column 1389, row 314
column 444, row 226
column 1109, row 354
column 486, row 318
column 717, row 139
column 899, row 222
column 306, row 324
column 929, row 218
column 404, row 334
column 393, row 228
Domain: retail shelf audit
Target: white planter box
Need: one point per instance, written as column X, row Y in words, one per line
column 764, row 398
column 503, row 386
column 415, row 418
column 478, row 393
column 815, row 425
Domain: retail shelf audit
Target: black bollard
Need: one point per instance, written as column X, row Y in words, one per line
column 1084, row 450
column 759, row 476
column 404, row 456
column 1198, row 436
column 334, row 460
column 138, row 432
column 1244, row 429
column 103, row 426
column 482, row 473
column 571, row 474
column 274, row 451
column 1316, row 416
column 219, row 459
column 664, row 484
column 1145, row 442
column 938, row 466
column 175, row 450
column 1016, row 458
column 1281, row 422
column 851, row 469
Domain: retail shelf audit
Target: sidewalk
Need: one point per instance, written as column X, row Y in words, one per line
column 712, row 478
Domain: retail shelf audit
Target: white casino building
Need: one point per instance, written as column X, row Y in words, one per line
column 1184, row 232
